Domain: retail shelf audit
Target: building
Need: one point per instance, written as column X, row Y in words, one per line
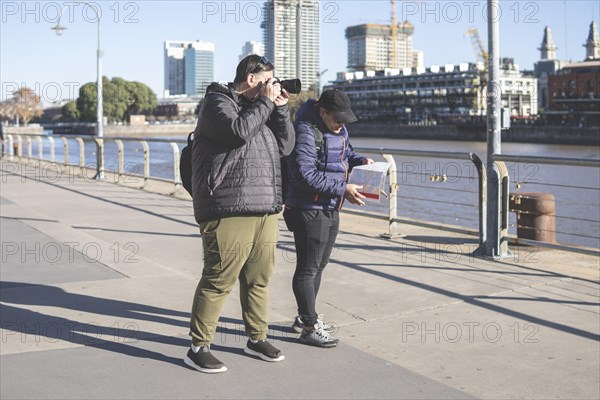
column 370, row 47
column 174, row 67
column 444, row 94
column 252, row 47
column 570, row 92
column 546, row 66
column 574, row 95
column 592, row 45
column 177, row 108
column 519, row 90
column 291, row 33
column 199, row 67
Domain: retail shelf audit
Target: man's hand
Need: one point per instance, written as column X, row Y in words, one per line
column 368, row 161
column 282, row 99
column 271, row 89
column 352, row 194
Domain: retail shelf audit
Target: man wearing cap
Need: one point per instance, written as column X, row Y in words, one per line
column 317, row 187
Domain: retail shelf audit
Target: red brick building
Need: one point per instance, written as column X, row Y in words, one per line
column 574, row 94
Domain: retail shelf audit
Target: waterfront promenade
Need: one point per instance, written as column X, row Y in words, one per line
column 97, row 281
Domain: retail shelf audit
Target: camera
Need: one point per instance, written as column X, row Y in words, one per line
column 291, row 85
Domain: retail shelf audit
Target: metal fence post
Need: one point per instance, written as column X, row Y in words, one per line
column 81, row 154
column 66, row 150
column 52, row 150
column 121, row 156
column 10, row 152
column 99, row 158
column 146, row 161
column 176, row 173
column 40, row 148
column 393, row 212
column 29, row 148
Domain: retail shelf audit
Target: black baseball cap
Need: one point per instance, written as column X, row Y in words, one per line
column 338, row 104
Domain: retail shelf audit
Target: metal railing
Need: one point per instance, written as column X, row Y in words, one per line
column 99, row 143
column 580, row 198
column 437, row 177
column 442, row 194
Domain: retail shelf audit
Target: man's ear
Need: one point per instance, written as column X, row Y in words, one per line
column 251, row 80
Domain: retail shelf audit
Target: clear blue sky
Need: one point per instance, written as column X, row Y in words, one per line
column 133, row 33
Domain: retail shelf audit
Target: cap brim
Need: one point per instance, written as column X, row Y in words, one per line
column 345, row 117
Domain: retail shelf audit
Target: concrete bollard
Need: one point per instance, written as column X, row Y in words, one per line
column 535, row 216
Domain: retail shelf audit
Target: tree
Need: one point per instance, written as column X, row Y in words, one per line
column 120, row 100
column 7, row 110
column 86, row 102
column 24, row 105
column 70, row 112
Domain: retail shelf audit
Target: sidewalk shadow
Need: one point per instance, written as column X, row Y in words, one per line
column 45, row 295
column 122, row 337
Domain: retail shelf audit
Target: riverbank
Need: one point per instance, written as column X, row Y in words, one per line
column 478, row 133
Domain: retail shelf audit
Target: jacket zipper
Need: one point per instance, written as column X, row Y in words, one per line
column 274, row 173
column 210, row 189
column 345, row 168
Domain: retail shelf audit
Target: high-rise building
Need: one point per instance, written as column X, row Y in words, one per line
column 252, row 47
column 199, row 67
column 291, row 35
column 174, row 67
column 370, row 47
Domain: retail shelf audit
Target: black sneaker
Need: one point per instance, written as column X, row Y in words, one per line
column 264, row 350
column 204, row 361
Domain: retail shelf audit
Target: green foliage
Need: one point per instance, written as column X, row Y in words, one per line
column 120, row 100
column 70, row 112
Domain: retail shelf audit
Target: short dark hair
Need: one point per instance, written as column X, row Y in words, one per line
column 252, row 64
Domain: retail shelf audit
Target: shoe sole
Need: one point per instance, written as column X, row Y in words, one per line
column 192, row 364
column 322, row 345
column 297, row 329
column 262, row 356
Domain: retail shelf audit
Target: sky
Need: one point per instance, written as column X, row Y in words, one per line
column 133, row 34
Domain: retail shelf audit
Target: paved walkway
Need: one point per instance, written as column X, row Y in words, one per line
column 97, row 281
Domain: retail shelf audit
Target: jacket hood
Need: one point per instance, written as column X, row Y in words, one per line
column 220, row 87
column 307, row 113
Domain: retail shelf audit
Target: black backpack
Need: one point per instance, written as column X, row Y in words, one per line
column 319, row 142
column 185, row 165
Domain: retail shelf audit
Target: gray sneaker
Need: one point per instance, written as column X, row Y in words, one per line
column 318, row 337
column 298, row 325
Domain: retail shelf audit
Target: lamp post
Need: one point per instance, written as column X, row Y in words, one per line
column 59, row 30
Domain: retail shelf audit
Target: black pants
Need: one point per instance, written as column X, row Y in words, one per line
column 315, row 232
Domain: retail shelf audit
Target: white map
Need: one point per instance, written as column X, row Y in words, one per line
column 372, row 179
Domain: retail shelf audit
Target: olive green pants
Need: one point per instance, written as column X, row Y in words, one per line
column 235, row 248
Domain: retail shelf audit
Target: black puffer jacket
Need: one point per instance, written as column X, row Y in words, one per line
column 236, row 155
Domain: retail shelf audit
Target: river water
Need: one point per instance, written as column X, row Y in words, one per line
column 451, row 201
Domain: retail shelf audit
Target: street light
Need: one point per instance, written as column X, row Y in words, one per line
column 59, row 30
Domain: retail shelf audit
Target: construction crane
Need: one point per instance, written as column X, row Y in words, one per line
column 480, row 52
column 481, row 55
column 394, row 28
